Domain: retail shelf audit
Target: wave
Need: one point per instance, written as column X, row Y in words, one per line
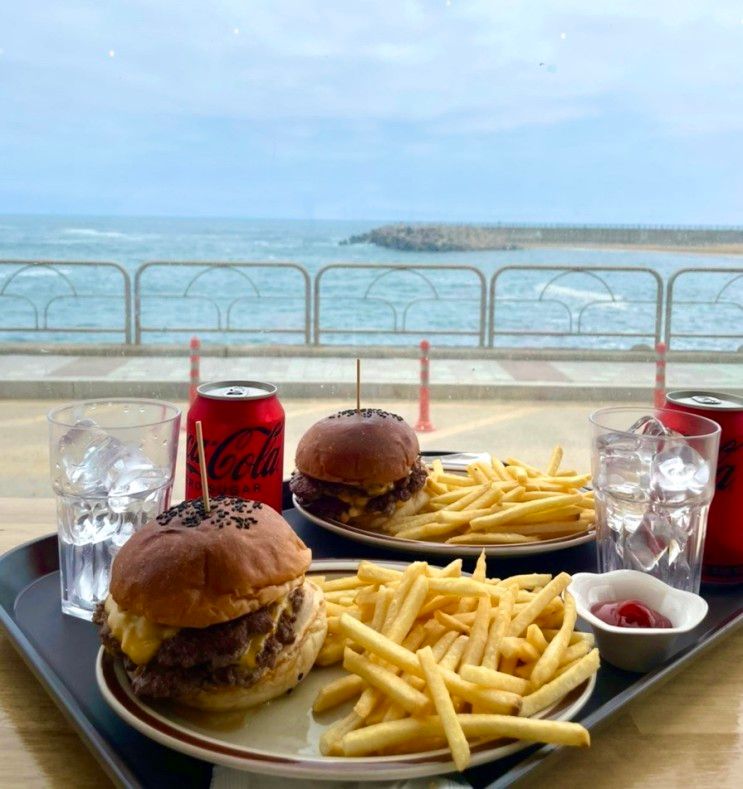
column 579, row 294
column 89, row 232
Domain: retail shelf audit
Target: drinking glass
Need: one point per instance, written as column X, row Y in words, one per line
column 112, row 466
column 654, row 478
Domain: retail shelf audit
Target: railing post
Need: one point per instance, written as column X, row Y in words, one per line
column 659, row 398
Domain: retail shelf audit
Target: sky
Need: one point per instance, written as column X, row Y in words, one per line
column 440, row 110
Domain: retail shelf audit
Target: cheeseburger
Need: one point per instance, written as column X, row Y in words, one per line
column 213, row 611
column 358, row 466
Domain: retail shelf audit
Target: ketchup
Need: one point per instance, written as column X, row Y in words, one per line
column 629, row 613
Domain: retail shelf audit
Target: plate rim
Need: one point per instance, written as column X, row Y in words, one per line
column 357, row 534
column 108, row 671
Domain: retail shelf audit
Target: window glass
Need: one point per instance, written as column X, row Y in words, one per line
column 542, row 191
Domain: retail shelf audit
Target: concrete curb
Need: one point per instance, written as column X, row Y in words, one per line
column 51, row 389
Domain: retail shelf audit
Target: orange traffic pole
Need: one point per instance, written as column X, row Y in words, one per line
column 195, row 372
column 424, row 424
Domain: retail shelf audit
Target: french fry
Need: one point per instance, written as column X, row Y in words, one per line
column 458, row 744
column 375, row 573
column 393, row 686
column 473, row 494
column 478, row 633
column 497, row 630
column 463, row 587
column 331, row 652
column 437, row 603
column 452, row 622
column 554, row 462
column 529, row 580
column 511, row 514
column 409, row 608
column 454, row 480
column 442, row 646
column 536, row 638
column 337, row 692
column 550, row 659
column 380, row 645
column 337, row 584
column 454, row 654
column 490, row 538
column 561, row 685
column 385, row 736
column 431, row 530
column 459, row 654
column 501, row 701
column 449, row 497
column 332, row 737
column 489, row 678
column 574, row 652
column 532, row 610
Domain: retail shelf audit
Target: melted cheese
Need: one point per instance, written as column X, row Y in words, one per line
column 255, row 646
column 353, row 499
column 139, row 638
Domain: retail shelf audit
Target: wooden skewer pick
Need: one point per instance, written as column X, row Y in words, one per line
column 202, row 467
column 358, row 385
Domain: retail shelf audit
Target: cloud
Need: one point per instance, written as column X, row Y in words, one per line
column 491, row 65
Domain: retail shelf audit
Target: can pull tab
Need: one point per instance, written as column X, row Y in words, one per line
column 706, row 400
column 235, row 391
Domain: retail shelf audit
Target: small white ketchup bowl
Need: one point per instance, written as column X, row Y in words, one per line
column 635, row 648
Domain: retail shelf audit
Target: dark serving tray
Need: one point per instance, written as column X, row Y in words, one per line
column 61, row 650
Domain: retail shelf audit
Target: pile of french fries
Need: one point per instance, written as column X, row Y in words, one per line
column 437, row 658
column 497, row 504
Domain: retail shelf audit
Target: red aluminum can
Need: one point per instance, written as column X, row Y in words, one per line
column 243, row 427
column 723, row 545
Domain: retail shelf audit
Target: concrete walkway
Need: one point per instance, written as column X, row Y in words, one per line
column 68, row 376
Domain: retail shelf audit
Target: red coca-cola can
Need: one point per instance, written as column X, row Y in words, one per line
column 723, row 545
column 243, row 427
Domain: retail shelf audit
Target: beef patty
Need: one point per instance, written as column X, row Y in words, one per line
column 204, row 658
column 322, row 497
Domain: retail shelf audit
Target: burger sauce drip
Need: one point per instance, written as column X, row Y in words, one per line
column 629, row 613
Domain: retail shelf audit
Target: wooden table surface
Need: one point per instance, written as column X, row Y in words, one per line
column 689, row 731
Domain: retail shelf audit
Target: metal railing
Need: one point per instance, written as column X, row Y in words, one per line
column 45, row 296
column 534, row 306
column 227, row 298
column 574, row 296
column 715, row 296
column 394, row 302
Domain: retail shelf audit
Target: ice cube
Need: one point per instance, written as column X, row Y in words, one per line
column 646, row 549
column 623, row 466
column 133, row 476
column 86, row 452
column 94, row 464
column 678, row 473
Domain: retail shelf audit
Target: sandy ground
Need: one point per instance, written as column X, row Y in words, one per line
column 527, row 430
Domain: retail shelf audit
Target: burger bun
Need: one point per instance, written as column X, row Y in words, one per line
column 364, row 447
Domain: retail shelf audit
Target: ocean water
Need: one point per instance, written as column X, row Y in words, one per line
column 537, row 308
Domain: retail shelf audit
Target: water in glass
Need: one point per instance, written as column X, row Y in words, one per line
column 651, row 503
column 106, row 490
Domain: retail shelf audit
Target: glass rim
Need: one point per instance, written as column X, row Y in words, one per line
column 713, row 430
column 53, row 415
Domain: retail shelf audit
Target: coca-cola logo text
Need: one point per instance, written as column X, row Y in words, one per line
column 726, row 464
column 250, row 452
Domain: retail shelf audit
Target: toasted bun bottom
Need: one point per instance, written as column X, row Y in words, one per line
column 294, row 664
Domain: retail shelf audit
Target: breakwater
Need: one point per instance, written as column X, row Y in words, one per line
column 464, row 238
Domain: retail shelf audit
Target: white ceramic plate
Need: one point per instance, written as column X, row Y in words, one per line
column 281, row 737
column 382, row 540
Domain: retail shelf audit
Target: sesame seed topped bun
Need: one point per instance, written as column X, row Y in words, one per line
column 189, row 569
